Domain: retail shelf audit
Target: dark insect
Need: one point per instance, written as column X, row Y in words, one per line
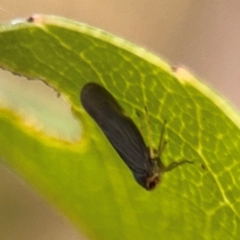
column 145, row 163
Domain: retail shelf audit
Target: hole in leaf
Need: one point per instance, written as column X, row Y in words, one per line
column 39, row 106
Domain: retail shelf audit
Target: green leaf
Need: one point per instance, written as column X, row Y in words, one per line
column 86, row 179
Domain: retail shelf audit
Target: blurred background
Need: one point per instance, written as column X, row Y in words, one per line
column 203, row 36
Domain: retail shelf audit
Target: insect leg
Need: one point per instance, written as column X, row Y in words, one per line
column 162, row 141
column 151, row 149
column 173, row 165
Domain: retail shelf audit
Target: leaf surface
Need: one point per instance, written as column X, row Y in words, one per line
column 86, row 179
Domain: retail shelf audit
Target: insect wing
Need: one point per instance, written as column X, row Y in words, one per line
column 119, row 129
